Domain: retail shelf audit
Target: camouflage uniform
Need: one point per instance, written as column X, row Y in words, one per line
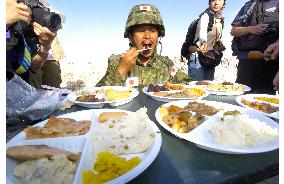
column 158, row 70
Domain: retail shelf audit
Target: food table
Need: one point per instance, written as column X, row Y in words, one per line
column 180, row 161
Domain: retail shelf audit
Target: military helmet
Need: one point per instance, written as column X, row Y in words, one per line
column 144, row 14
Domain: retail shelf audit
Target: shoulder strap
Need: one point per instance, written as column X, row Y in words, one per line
column 189, row 40
column 248, row 11
column 211, row 19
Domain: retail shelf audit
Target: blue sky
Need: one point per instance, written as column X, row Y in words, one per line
column 94, row 29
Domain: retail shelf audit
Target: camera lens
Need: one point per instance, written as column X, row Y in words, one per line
column 47, row 19
column 53, row 21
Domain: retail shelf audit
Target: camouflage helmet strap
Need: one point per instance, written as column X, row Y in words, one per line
column 161, row 46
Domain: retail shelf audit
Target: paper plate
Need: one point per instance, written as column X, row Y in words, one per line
column 83, row 144
column 147, row 157
column 203, row 138
column 73, row 96
column 250, row 97
column 221, row 92
column 170, row 99
column 72, row 143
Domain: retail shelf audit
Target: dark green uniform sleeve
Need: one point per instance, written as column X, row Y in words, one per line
column 112, row 76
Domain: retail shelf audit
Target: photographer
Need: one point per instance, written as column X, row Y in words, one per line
column 255, row 27
column 27, row 42
column 273, row 50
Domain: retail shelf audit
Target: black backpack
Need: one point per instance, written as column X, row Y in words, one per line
column 255, row 14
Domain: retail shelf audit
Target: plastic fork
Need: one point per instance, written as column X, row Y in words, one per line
column 141, row 50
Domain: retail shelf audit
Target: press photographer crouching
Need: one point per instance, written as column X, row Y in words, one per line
column 30, row 29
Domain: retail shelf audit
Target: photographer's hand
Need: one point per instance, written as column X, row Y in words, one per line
column 45, row 36
column 127, row 61
column 16, row 12
column 272, row 49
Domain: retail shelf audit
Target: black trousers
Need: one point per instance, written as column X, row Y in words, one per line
column 257, row 74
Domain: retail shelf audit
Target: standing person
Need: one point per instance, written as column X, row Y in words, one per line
column 203, row 47
column 255, row 27
column 273, row 49
column 143, row 28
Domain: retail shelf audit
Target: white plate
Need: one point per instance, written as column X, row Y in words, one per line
column 73, row 96
column 221, row 92
column 250, row 97
column 170, row 99
column 82, row 144
column 147, row 157
column 203, row 139
column 72, row 143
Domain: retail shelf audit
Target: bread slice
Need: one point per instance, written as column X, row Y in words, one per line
column 105, row 116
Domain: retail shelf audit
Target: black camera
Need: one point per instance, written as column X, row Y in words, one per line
column 43, row 16
column 272, row 30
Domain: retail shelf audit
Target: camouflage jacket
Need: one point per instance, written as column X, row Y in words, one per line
column 156, row 71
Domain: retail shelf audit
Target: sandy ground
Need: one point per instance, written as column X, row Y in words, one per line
column 91, row 73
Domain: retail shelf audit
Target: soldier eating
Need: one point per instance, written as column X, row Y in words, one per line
column 141, row 62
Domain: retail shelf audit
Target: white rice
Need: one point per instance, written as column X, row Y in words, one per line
column 131, row 134
column 242, row 130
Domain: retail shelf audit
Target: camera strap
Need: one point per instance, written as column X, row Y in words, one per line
column 24, row 59
column 21, row 52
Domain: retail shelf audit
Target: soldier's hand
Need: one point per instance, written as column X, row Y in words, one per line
column 258, row 29
column 127, row 61
column 16, row 12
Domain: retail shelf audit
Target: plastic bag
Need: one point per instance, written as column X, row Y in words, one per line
column 24, row 100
